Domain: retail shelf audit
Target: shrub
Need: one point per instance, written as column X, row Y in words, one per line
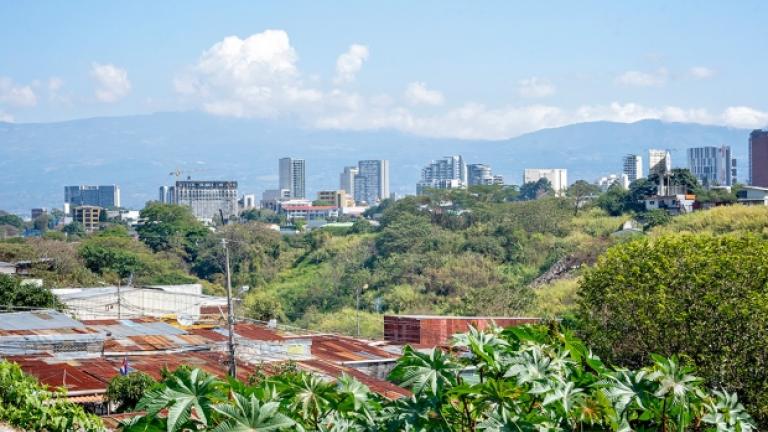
column 127, row 390
column 701, row 296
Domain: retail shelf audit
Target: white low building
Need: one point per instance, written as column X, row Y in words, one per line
column 183, row 302
column 753, row 195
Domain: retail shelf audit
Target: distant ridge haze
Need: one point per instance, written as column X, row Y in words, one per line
column 138, row 152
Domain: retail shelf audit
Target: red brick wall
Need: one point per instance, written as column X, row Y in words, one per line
column 433, row 331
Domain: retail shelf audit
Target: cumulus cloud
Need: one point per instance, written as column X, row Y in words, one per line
column 535, row 88
column 350, row 63
column 745, row 117
column 258, row 76
column 16, row 95
column 112, row 82
column 643, row 79
column 417, row 93
column 701, row 72
column 5, row 117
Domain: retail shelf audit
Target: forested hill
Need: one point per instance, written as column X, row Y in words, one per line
column 138, row 152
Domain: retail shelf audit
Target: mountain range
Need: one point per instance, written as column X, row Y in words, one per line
column 138, row 153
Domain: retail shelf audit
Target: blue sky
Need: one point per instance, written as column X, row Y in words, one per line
column 455, row 69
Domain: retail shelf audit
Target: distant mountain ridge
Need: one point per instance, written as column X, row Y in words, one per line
column 138, row 152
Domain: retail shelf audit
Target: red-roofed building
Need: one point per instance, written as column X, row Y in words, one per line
column 309, row 212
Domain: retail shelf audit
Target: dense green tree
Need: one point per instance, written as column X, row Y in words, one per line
column 254, row 249
column 12, row 220
column 127, row 390
column 30, row 406
column 535, row 190
column 260, row 215
column 654, row 218
column 168, row 227
column 580, row 192
column 14, row 293
column 697, row 295
column 74, row 229
column 614, row 200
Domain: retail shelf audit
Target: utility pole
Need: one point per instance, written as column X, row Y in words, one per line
column 230, row 315
column 119, row 302
column 357, row 308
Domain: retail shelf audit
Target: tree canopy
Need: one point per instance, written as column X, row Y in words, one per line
column 702, row 296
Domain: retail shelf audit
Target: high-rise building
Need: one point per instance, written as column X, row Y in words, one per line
column 371, row 183
column 99, row 196
column 659, row 162
column 632, row 167
column 207, row 198
column 347, row 180
column 758, row 158
column 293, row 177
column 558, row 177
column 713, row 166
column 167, row 195
column 449, row 172
column 480, row 174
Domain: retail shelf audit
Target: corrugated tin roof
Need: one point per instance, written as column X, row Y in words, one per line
column 37, row 320
column 337, row 348
column 136, row 327
column 384, row 388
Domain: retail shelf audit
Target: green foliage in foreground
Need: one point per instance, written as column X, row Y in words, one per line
column 699, row 295
column 30, row 406
column 14, row 293
column 519, row 379
column 127, row 390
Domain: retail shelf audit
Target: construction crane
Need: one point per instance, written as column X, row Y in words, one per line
column 178, row 172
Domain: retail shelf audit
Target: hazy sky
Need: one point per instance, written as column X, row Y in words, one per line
column 453, row 69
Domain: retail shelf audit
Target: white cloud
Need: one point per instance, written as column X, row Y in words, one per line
column 643, row 79
column 259, row 77
column 417, row 93
column 252, row 77
column 112, row 82
column 16, row 95
column 535, row 87
column 350, row 63
column 745, row 117
column 55, row 84
column 5, row 117
column 701, row 72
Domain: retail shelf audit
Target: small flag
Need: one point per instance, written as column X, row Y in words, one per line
column 124, row 366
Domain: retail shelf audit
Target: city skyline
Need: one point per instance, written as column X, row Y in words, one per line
column 270, row 61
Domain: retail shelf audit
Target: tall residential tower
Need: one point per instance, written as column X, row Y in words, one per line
column 371, row 183
column 449, row 172
column 632, row 167
column 713, row 166
column 293, row 177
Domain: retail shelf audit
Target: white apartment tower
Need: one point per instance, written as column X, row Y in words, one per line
column 557, row 177
column 632, row 167
column 347, row 180
column 293, row 177
column 449, row 172
column 659, row 162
